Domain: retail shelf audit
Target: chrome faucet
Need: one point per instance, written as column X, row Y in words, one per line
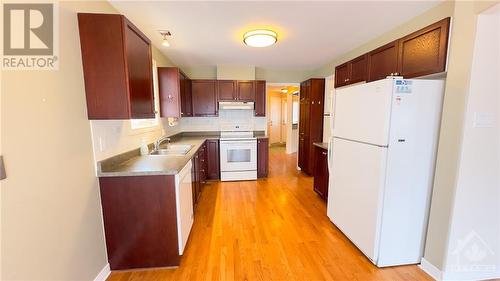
column 160, row 141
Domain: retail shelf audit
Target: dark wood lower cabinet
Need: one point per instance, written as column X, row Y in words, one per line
column 140, row 220
column 321, row 172
column 212, row 159
column 262, row 157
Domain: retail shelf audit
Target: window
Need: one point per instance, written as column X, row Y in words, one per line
column 136, row 124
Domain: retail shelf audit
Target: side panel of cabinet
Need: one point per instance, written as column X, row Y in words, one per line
column 246, row 90
column 317, row 90
column 140, row 72
column 213, row 166
column 424, row 52
column 186, row 98
column 321, row 173
column 104, row 66
column 262, row 158
column 204, row 97
column 169, row 84
column 383, row 62
column 140, row 221
column 260, row 98
column 227, row 90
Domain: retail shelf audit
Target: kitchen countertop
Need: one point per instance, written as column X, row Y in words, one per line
column 323, row 145
column 133, row 164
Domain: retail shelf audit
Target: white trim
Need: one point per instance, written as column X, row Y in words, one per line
column 103, row 274
column 430, row 269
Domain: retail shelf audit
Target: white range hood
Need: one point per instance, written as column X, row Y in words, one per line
column 236, row 105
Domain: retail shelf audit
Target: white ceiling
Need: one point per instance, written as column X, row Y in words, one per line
column 310, row 33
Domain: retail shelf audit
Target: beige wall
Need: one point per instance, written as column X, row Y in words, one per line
column 50, row 206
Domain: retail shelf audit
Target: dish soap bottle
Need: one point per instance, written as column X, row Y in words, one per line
column 144, row 147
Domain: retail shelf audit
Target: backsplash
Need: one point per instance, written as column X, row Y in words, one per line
column 225, row 119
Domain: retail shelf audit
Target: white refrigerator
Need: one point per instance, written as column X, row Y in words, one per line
column 381, row 162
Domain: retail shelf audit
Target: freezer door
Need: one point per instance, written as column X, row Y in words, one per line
column 362, row 112
column 356, row 192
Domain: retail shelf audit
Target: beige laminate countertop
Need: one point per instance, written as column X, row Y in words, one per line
column 323, row 145
column 133, row 164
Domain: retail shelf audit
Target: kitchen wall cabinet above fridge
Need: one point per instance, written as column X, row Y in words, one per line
column 117, row 67
column 420, row 53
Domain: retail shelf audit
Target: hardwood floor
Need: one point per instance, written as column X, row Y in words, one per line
column 272, row 229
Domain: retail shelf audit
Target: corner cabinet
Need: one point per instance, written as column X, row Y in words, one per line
column 117, row 67
column 174, row 93
column 421, row 53
column 262, row 157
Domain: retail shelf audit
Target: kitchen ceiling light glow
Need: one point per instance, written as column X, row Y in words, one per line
column 165, row 34
column 260, row 38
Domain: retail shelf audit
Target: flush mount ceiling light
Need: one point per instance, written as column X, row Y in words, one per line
column 284, row 90
column 165, row 34
column 260, row 38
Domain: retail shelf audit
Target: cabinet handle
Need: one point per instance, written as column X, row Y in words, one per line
column 319, row 102
column 312, row 102
column 324, row 153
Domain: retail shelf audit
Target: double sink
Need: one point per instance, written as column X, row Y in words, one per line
column 173, row 150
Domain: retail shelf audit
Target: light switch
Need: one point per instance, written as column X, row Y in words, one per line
column 484, row 120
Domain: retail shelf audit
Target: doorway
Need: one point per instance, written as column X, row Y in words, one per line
column 280, row 127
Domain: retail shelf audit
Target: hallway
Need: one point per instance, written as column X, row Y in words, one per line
column 271, row 229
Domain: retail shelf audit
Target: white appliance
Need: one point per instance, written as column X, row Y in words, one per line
column 381, row 162
column 184, row 205
column 236, row 105
column 238, row 153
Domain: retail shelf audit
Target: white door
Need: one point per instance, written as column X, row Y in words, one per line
column 184, row 200
column 274, row 121
column 362, row 112
column 355, row 195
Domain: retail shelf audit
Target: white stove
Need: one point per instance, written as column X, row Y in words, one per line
column 238, row 153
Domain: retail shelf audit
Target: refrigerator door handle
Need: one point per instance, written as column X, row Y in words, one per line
column 330, row 143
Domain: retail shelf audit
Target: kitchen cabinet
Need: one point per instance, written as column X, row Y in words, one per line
column 383, row 61
column 204, row 97
column 143, row 217
column 312, row 94
column 227, row 90
column 174, row 93
column 424, row 52
column 351, row 72
column 213, row 158
column 421, row 53
column 321, row 175
column 262, row 157
column 260, row 98
column 186, row 98
column 117, row 67
column 246, row 90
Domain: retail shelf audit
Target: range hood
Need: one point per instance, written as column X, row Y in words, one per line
column 236, row 105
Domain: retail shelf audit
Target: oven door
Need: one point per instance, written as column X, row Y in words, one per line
column 238, row 155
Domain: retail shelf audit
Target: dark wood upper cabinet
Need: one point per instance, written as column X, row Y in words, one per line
column 246, row 90
column 186, row 98
column 358, row 69
column 227, row 90
column 383, row 61
column 424, row 52
column 169, row 83
column 204, row 97
column 260, row 98
column 262, row 157
column 342, row 75
column 117, row 67
column 213, row 165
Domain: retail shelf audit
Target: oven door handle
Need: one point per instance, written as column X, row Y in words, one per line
column 239, row 142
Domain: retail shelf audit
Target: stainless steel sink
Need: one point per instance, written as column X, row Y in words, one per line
column 174, row 149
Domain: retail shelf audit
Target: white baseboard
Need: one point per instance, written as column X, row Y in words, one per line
column 103, row 275
column 430, row 269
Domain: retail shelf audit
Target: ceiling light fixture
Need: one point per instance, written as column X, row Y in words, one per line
column 284, row 90
column 165, row 34
column 260, row 38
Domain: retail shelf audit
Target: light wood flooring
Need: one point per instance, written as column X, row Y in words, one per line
column 272, row 229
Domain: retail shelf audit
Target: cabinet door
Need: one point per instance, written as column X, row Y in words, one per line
column 170, row 87
column 341, row 75
column 321, row 173
column 260, row 98
column 262, row 158
column 213, row 166
column 227, row 90
column 383, row 62
column 358, row 69
column 140, row 72
column 246, row 90
column 303, row 160
column 186, row 98
column 424, row 52
column 204, row 95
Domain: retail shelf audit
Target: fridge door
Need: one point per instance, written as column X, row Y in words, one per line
column 362, row 112
column 356, row 192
